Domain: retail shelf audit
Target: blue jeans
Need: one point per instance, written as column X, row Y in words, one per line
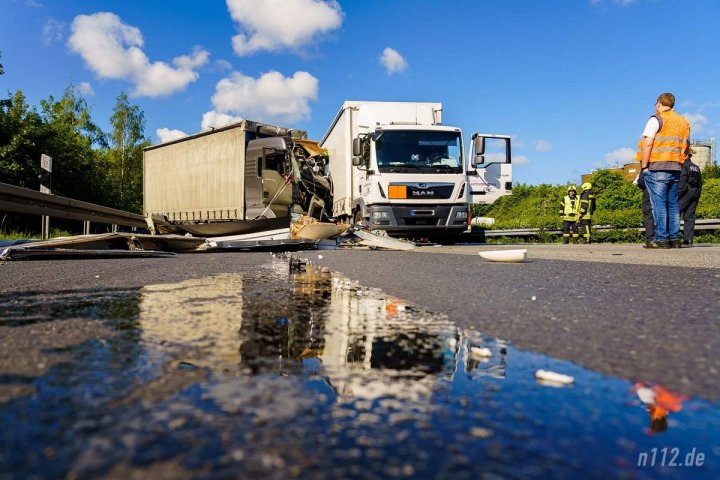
column 663, row 187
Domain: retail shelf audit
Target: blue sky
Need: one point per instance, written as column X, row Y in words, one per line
column 572, row 80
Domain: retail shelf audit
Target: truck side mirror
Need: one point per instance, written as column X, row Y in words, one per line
column 479, row 143
column 479, row 160
column 357, row 148
column 356, row 161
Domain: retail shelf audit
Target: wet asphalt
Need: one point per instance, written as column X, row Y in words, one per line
column 639, row 321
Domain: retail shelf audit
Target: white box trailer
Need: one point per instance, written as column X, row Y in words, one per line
column 396, row 167
column 236, row 179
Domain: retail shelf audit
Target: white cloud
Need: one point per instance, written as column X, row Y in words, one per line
column 214, row 119
column 85, row 89
column 53, row 31
column 516, row 143
column 621, row 156
column 499, row 157
column 223, row 66
column 542, row 146
column 697, row 121
column 167, row 135
column 113, row 49
column 392, row 61
column 30, row 3
column 277, row 25
column 272, row 96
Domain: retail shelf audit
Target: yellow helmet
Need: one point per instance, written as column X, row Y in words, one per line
column 572, row 188
column 586, row 186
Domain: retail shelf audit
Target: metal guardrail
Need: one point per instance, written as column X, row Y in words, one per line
column 31, row 202
column 707, row 224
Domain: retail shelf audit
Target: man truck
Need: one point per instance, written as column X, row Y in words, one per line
column 396, row 167
column 239, row 179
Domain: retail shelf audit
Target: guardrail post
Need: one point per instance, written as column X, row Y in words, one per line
column 86, row 227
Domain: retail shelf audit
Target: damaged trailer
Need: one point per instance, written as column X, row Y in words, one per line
column 243, row 178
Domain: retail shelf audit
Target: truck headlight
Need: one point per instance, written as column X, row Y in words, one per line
column 380, row 214
column 463, row 214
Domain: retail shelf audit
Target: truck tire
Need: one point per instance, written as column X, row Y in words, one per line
column 358, row 218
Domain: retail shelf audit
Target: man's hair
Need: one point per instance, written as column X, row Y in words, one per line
column 667, row 100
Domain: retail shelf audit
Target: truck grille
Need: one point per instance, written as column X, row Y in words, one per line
column 416, row 191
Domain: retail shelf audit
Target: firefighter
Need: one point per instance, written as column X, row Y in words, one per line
column 587, row 208
column 569, row 209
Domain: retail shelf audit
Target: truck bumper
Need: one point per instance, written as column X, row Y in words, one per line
column 432, row 219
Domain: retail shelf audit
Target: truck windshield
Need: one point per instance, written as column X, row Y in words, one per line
column 417, row 151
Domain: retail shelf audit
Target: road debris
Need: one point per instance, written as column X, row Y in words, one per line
column 519, row 255
column 480, row 352
column 553, row 379
column 309, row 228
column 365, row 238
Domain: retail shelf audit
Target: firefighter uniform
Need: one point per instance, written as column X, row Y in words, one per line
column 587, row 208
column 569, row 209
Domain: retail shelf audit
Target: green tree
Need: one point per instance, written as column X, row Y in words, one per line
column 21, row 139
column 711, row 171
column 124, row 155
column 71, row 138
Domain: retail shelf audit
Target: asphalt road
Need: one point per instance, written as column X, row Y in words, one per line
column 642, row 315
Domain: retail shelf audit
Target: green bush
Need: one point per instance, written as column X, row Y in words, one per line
column 619, row 204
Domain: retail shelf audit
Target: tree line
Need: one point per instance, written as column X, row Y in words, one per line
column 89, row 164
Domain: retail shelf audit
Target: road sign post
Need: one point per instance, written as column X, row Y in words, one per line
column 45, row 185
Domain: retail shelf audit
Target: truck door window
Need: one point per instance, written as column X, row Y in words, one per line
column 419, row 151
column 496, row 150
column 275, row 161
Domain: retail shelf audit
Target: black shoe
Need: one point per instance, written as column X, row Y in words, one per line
column 654, row 244
column 687, row 244
column 675, row 244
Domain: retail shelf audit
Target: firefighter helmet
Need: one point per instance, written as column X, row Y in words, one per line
column 586, row 186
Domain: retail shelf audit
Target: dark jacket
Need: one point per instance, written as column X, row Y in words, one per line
column 690, row 186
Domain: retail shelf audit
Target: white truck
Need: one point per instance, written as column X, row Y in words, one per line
column 396, row 167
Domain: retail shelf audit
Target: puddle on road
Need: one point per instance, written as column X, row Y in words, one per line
column 276, row 374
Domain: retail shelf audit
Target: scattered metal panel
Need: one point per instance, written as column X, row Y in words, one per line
column 114, row 245
column 263, row 245
column 224, row 227
column 10, row 243
column 376, row 241
column 28, row 253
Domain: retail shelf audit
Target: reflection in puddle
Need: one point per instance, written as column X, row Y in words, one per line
column 278, row 374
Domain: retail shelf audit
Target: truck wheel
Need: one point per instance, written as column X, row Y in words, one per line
column 358, row 218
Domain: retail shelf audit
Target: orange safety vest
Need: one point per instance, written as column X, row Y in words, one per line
column 671, row 141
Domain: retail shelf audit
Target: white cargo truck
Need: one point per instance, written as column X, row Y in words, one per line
column 239, row 179
column 396, row 167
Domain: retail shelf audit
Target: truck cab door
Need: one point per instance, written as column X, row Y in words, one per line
column 277, row 185
column 253, row 180
column 272, row 184
column 490, row 169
